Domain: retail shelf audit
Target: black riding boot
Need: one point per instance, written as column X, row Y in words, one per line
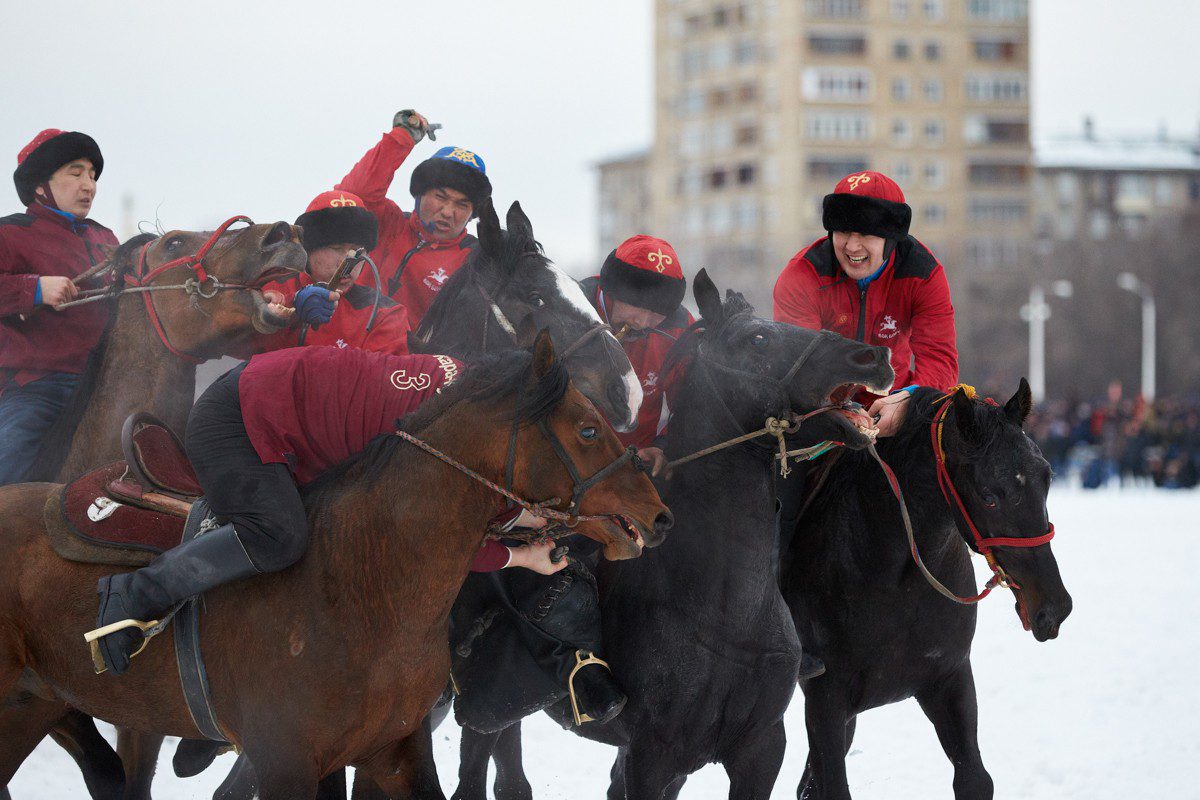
column 208, row 561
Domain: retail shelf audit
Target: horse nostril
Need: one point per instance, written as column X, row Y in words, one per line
column 663, row 522
column 864, row 358
column 280, row 232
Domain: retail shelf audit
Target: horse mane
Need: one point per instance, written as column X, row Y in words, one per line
column 56, row 443
column 735, row 308
column 493, row 378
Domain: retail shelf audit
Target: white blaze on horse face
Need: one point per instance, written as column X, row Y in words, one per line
column 570, row 291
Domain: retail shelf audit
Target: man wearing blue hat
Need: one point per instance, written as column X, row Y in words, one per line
column 419, row 250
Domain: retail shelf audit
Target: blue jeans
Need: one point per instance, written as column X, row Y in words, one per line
column 26, row 413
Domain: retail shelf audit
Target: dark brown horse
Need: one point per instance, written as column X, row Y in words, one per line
column 336, row 660
column 133, row 369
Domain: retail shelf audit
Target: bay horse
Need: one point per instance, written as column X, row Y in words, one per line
column 697, row 632
column 362, row 619
column 864, row 607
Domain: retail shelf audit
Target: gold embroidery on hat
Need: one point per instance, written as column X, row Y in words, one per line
column 465, row 156
column 855, row 180
column 342, row 200
column 662, row 259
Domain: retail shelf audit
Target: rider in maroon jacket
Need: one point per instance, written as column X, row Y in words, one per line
column 43, row 350
column 419, row 250
column 254, row 437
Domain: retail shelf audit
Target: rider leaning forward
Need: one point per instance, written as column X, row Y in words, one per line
column 419, row 250
column 254, row 437
column 43, row 350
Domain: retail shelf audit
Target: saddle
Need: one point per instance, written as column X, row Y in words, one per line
column 127, row 512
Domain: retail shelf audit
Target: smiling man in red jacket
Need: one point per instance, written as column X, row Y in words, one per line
column 869, row 280
column 43, row 350
column 419, row 250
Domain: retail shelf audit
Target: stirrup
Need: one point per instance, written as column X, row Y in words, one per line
column 93, row 638
column 580, row 663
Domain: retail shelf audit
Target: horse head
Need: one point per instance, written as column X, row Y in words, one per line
column 217, row 304
column 773, row 369
column 508, row 291
column 1003, row 480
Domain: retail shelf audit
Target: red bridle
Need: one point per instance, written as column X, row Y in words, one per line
column 202, row 284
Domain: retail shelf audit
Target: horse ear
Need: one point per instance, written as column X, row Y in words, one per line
column 964, row 415
column 708, row 298
column 1020, row 404
column 491, row 238
column 517, row 222
column 543, row 353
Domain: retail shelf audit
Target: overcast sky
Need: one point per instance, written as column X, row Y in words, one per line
column 209, row 109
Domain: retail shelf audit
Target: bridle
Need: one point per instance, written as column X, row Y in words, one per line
column 981, row 544
column 201, row 285
column 506, row 325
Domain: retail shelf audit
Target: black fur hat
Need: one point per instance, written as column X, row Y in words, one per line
column 337, row 218
column 49, row 151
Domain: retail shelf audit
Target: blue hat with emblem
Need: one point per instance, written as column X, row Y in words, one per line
column 453, row 168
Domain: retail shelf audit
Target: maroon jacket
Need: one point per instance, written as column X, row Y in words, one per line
column 313, row 407
column 646, row 353
column 907, row 308
column 412, row 267
column 37, row 342
column 348, row 328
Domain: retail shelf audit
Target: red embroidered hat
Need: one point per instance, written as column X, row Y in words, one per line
column 870, row 203
column 337, row 217
column 644, row 271
column 48, row 151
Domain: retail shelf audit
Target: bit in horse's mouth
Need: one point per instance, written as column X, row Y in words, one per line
column 630, row 529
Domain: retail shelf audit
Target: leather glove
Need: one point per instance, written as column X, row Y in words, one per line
column 315, row 305
column 403, row 119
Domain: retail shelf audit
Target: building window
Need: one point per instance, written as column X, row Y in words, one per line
column 717, row 178
column 720, row 17
column 900, row 49
column 746, row 174
column 902, row 172
column 901, row 132
column 690, row 102
column 746, row 135
column 933, row 51
column 836, row 9
column 997, row 174
column 934, row 214
column 935, row 132
column 900, row 9
column 747, row 92
column 828, row 44
column 720, row 136
column 695, row 23
column 1164, row 191
column 935, row 10
column 746, row 51
column 935, row 175
column 838, row 126
column 1011, row 87
column 747, row 214
column 987, row 49
column 901, row 89
column 998, row 10
column 932, row 89
column 691, row 139
column 837, row 84
column 1068, row 187
column 694, row 61
column 720, row 56
column 834, row 168
column 978, row 129
column 1098, row 224
column 998, row 210
column 718, row 98
column 991, row 252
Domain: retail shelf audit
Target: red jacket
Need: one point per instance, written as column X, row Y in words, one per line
column 412, row 267
column 646, row 354
column 348, row 328
column 907, row 308
column 35, row 343
column 313, row 407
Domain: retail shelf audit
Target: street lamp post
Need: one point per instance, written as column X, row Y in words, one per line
column 1130, row 283
column 1036, row 312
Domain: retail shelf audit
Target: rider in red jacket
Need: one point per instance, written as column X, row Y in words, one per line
column 334, row 225
column 870, row 280
column 43, row 350
column 419, row 250
column 254, row 437
column 639, row 292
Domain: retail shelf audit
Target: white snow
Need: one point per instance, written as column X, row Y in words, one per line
column 1108, row 710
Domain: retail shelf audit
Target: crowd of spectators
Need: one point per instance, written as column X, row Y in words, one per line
column 1121, row 440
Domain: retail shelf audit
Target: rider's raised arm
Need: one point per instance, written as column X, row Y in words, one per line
column 935, row 355
column 372, row 176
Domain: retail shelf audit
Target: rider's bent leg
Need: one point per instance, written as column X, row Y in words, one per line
column 792, row 495
column 262, row 526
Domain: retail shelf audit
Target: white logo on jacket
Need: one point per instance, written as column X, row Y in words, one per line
column 651, row 380
column 435, row 279
column 888, row 328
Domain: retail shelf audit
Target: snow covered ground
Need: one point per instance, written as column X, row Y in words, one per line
column 1110, row 709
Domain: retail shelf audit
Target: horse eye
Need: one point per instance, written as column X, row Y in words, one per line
column 758, row 340
column 589, row 433
column 989, row 500
column 536, row 300
column 173, row 244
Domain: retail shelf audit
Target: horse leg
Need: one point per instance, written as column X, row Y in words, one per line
column 754, row 765
column 139, row 754
column 23, row 726
column 825, row 718
column 241, row 783
column 511, row 781
column 333, row 786
column 474, row 753
column 952, row 708
column 616, row 777
column 103, row 773
column 647, row 773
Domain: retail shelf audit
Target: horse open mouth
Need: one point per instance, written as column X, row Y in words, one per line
column 624, row 538
column 265, row 320
column 843, row 393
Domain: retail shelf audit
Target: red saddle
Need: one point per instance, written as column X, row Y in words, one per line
column 127, row 512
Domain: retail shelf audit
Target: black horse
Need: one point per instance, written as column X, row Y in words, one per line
column 862, row 605
column 696, row 631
